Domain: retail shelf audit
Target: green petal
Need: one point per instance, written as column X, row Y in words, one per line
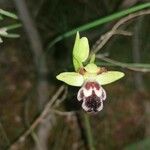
column 80, row 51
column 71, row 78
column 91, row 68
column 109, row 77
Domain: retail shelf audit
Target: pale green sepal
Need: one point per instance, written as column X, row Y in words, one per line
column 91, row 68
column 71, row 78
column 76, row 61
column 109, row 77
column 76, row 44
column 83, row 50
column 92, row 60
column 77, row 64
column 80, row 51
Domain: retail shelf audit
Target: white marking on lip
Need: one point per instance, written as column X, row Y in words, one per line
column 103, row 96
column 100, row 107
column 79, row 97
column 98, row 92
column 84, row 106
column 86, row 92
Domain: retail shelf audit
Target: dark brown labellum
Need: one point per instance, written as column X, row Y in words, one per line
column 92, row 95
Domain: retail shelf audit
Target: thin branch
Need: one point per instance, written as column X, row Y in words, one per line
column 123, row 65
column 136, row 55
column 62, row 113
column 39, row 119
column 41, row 68
column 105, row 38
column 63, row 97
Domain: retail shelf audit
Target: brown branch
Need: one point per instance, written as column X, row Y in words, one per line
column 62, row 113
column 123, row 65
column 136, row 55
column 105, row 38
column 38, row 119
column 41, row 68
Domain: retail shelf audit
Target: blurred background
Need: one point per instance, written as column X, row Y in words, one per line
column 35, row 50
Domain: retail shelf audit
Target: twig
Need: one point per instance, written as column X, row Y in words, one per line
column 123, row 65
column 63, row 97
column 62, row 113
column 39, row 119
column 136, row 46
column 41, row 68
column 104, row 39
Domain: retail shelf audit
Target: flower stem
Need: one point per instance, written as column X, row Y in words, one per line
column 88, row 132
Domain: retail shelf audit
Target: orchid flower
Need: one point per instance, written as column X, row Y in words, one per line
column 89, row 77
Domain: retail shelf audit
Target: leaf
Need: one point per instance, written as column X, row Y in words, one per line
column 91, row 68
column 109, row 77
column 11, row 35
column 8, row 14
column 13, row 26
column 71, row 78
column 80, row 51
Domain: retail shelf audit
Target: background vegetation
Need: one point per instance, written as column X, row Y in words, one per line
column 37, row 112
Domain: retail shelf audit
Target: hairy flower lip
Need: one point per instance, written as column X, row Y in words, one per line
column 92, row 96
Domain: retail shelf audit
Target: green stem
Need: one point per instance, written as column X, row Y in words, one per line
column 88, row 132
column 99, row 22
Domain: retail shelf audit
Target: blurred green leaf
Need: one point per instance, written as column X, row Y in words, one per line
column 13, row 26
column 11, row 35
column 8, row 14
column 100, row 22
